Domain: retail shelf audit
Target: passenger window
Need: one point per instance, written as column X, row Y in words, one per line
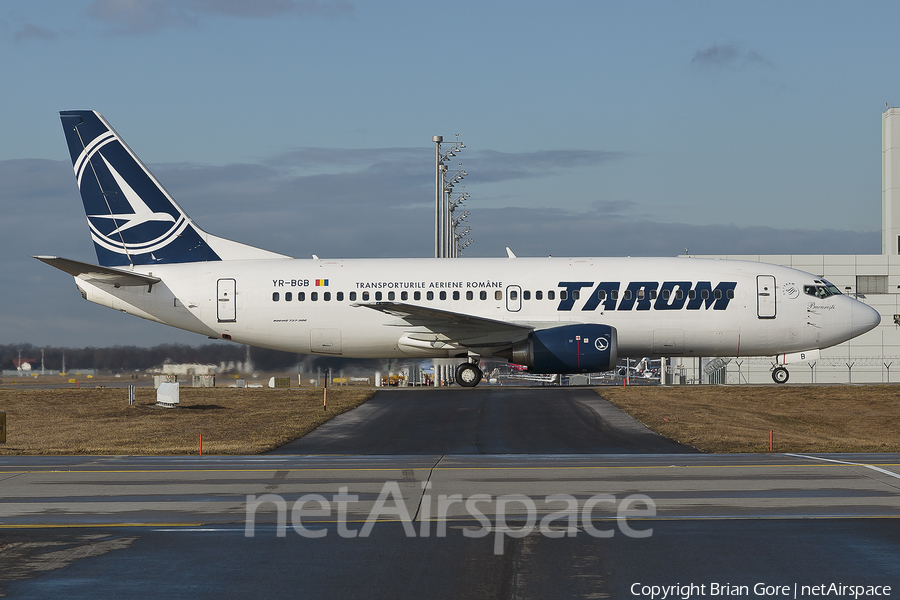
column 614, row 294
column 340, row 296
column 365, row 296
column 417, row 295
column 275, row 296
column 470, row 295
column 483, row 295
column 429, row 296
column 326, row 296
column 704, row 294
column 730, row 294
column 564, row 295
column 352, row 296
column 498, row 295
column 627, row 295
column 551, row 295
column 288, row 296
column 456, row 295
column 679, row 294
column 718, row 294
column 526, row 295
column 314, row 296
column 653, row 294
column 640, row 294
column 513, row 295
column 378, row 296
column 666, row 294
column 301, row 296
column 693, row 294
column 390, row 295
column 404, row 295
column 443, row 295
column 601, row 294
column 539, row 295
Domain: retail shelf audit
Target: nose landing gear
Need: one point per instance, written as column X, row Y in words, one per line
column 468, row 374
column 780, row 375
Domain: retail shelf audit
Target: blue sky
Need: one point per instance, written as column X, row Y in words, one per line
column 592, row 128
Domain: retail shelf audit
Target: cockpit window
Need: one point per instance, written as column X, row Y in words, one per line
column 831, row 287
column 817, row 291
column 822, row 289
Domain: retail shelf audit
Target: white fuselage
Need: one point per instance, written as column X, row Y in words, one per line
column 662, row 306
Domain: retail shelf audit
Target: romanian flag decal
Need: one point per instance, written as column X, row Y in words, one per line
column 321, row 282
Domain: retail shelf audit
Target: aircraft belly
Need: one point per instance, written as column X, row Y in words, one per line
column 674, row 341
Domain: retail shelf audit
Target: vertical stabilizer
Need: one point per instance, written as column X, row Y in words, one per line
column 132, row 218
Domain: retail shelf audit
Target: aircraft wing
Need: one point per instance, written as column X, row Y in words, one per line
column 96, row 274
column 432, row 325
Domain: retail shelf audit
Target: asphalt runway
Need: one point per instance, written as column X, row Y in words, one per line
column 449, row 525
column 484, row 420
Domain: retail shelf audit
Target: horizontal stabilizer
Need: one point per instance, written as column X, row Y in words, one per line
column 96, row 274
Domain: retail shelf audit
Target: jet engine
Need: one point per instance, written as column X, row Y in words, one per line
column 585, row 348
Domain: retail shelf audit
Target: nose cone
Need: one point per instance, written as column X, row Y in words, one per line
column 863, row 318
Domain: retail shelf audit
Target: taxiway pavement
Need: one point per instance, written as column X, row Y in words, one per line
column 484, row 420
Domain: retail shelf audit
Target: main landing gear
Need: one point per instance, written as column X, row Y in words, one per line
column 780, row 375
column 468, row 374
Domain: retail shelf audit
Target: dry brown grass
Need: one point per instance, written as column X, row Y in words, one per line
column 99, row 421
column 738, row 419
column 250, row 421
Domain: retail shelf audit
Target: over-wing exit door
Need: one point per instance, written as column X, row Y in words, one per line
column 513, row 298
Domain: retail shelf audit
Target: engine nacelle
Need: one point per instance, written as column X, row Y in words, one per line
column 568, row 349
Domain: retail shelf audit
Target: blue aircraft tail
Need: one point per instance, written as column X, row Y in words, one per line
column 132, row 218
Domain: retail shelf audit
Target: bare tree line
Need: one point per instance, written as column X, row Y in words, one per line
column 134, row 358
column 117, row 359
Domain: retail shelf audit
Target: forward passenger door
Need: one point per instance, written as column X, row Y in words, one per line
column 765, row 296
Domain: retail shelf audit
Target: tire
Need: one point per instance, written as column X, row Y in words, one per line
column 780, row 375
column 468, row 375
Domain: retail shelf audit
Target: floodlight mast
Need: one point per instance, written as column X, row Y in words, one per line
column 456, row 221
column 444, row 242
column 437, row 139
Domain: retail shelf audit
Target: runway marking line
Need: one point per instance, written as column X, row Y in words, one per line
column 400, row 468
column 94, row 525
column 831, row 462
column 853, row 464
column 240, row 526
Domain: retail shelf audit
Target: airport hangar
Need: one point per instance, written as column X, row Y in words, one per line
column 873, row 357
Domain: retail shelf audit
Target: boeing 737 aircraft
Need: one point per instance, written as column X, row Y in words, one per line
column 553, row 315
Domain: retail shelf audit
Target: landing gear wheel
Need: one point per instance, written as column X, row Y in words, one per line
column 780, row 375
column 468, row 375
